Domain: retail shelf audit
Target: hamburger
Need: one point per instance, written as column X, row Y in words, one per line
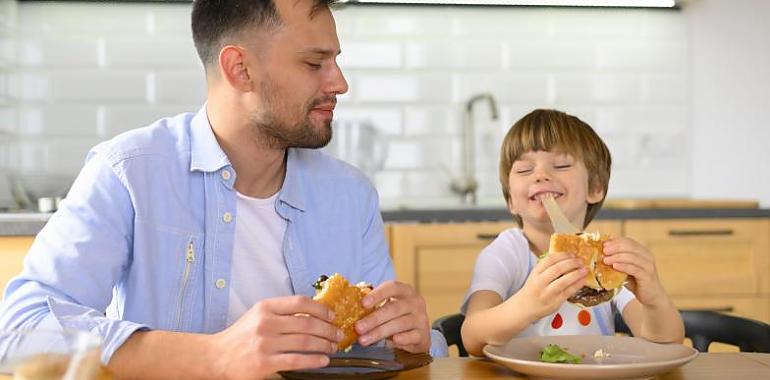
column 345, row 301
column 602, row 281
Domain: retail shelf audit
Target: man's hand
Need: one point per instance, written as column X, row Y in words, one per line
column 403, row 319
column 276, row 334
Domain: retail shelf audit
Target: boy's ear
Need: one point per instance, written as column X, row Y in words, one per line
column 595, row 196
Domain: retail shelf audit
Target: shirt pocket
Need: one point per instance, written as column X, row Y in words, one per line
column 188, row 279
column 168, row 262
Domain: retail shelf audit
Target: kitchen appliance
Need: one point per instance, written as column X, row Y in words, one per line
column 359, row 143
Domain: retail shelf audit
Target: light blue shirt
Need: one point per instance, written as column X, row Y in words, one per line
column 144, row 238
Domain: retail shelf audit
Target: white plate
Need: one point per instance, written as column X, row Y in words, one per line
column 629, row 358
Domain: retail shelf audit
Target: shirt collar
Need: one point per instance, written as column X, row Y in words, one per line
column 206, row 154
column 294, row 191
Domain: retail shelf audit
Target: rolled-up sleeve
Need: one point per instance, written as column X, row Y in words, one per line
column 76, row 260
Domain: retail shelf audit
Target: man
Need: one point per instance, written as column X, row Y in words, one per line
column 201, row 235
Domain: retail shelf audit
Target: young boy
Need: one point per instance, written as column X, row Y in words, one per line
column 512, row 293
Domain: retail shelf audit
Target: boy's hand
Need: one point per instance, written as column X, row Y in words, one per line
column 554, row 279
column 627, row 255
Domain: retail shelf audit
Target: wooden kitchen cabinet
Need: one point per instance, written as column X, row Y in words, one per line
column 438, row 258
column 719, row 264
column 12, row 252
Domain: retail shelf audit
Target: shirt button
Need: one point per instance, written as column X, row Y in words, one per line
column 227, row 217
column 225, row 175
column 220, row 284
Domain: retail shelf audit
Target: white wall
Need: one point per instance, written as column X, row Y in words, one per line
column 88, row 71
column 730, row 106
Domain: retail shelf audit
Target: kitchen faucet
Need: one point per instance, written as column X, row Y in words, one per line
column 467, row 185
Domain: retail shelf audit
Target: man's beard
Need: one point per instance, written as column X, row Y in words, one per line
column 280, row 134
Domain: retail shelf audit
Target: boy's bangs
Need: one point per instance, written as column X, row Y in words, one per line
column 549, row 138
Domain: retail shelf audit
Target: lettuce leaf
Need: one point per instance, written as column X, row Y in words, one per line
column 553, row 353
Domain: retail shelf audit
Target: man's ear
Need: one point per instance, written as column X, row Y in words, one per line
column 595, row 195
column 232, row 64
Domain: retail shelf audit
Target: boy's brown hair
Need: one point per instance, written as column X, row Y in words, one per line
column 549, row 130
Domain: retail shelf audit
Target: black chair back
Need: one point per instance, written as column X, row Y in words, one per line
column 706, row 326
column 702, row 327
column 449, row 326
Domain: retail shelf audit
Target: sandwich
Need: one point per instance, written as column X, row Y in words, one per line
column 602, row 281
column 345, row 301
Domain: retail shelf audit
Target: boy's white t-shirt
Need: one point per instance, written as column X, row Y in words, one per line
column 503, row 267
column 259, row 232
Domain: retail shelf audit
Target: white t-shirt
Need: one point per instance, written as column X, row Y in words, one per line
column 503, row 267
column 258, row 267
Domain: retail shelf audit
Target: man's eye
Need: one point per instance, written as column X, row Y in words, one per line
column 314, row 66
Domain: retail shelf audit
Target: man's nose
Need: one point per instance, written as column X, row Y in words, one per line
column 337, row 83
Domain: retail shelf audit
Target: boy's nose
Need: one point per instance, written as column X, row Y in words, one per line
column 542, row 176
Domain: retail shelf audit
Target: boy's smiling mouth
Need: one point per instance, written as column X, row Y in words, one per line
column 538, row 196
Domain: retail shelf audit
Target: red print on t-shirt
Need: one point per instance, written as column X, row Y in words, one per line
column 584, row 317
column 557, row 322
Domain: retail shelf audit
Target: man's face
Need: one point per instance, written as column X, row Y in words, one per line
column 298, row 77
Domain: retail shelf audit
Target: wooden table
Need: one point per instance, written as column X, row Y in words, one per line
column 716, row 366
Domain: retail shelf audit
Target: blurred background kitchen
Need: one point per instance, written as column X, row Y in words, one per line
column 681, row 96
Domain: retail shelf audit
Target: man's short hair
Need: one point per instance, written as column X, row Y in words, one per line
column 216, row 22
column 547, row 130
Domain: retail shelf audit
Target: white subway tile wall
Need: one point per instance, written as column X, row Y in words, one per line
column 89, row 71
column 8, row 80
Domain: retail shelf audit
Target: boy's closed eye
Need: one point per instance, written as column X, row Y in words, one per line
column 523, row 170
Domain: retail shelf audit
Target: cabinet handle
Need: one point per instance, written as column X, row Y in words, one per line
column 486, row 236
column 685, row 233
column 726, row 309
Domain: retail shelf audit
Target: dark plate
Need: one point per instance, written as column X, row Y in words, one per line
column 363, row 363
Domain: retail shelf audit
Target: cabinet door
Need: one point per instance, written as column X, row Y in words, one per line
column 437, row 259
column 707, row 257
column 711, row 263
column 12, row 252
column 613, row 228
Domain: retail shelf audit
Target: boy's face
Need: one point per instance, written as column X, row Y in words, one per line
column 537, row 173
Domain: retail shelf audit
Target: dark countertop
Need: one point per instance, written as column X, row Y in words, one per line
column 501, row 214
column 22, row 223
column 29, row 224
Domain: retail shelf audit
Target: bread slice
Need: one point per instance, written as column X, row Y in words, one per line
column 589, row 248
column 345, row 301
